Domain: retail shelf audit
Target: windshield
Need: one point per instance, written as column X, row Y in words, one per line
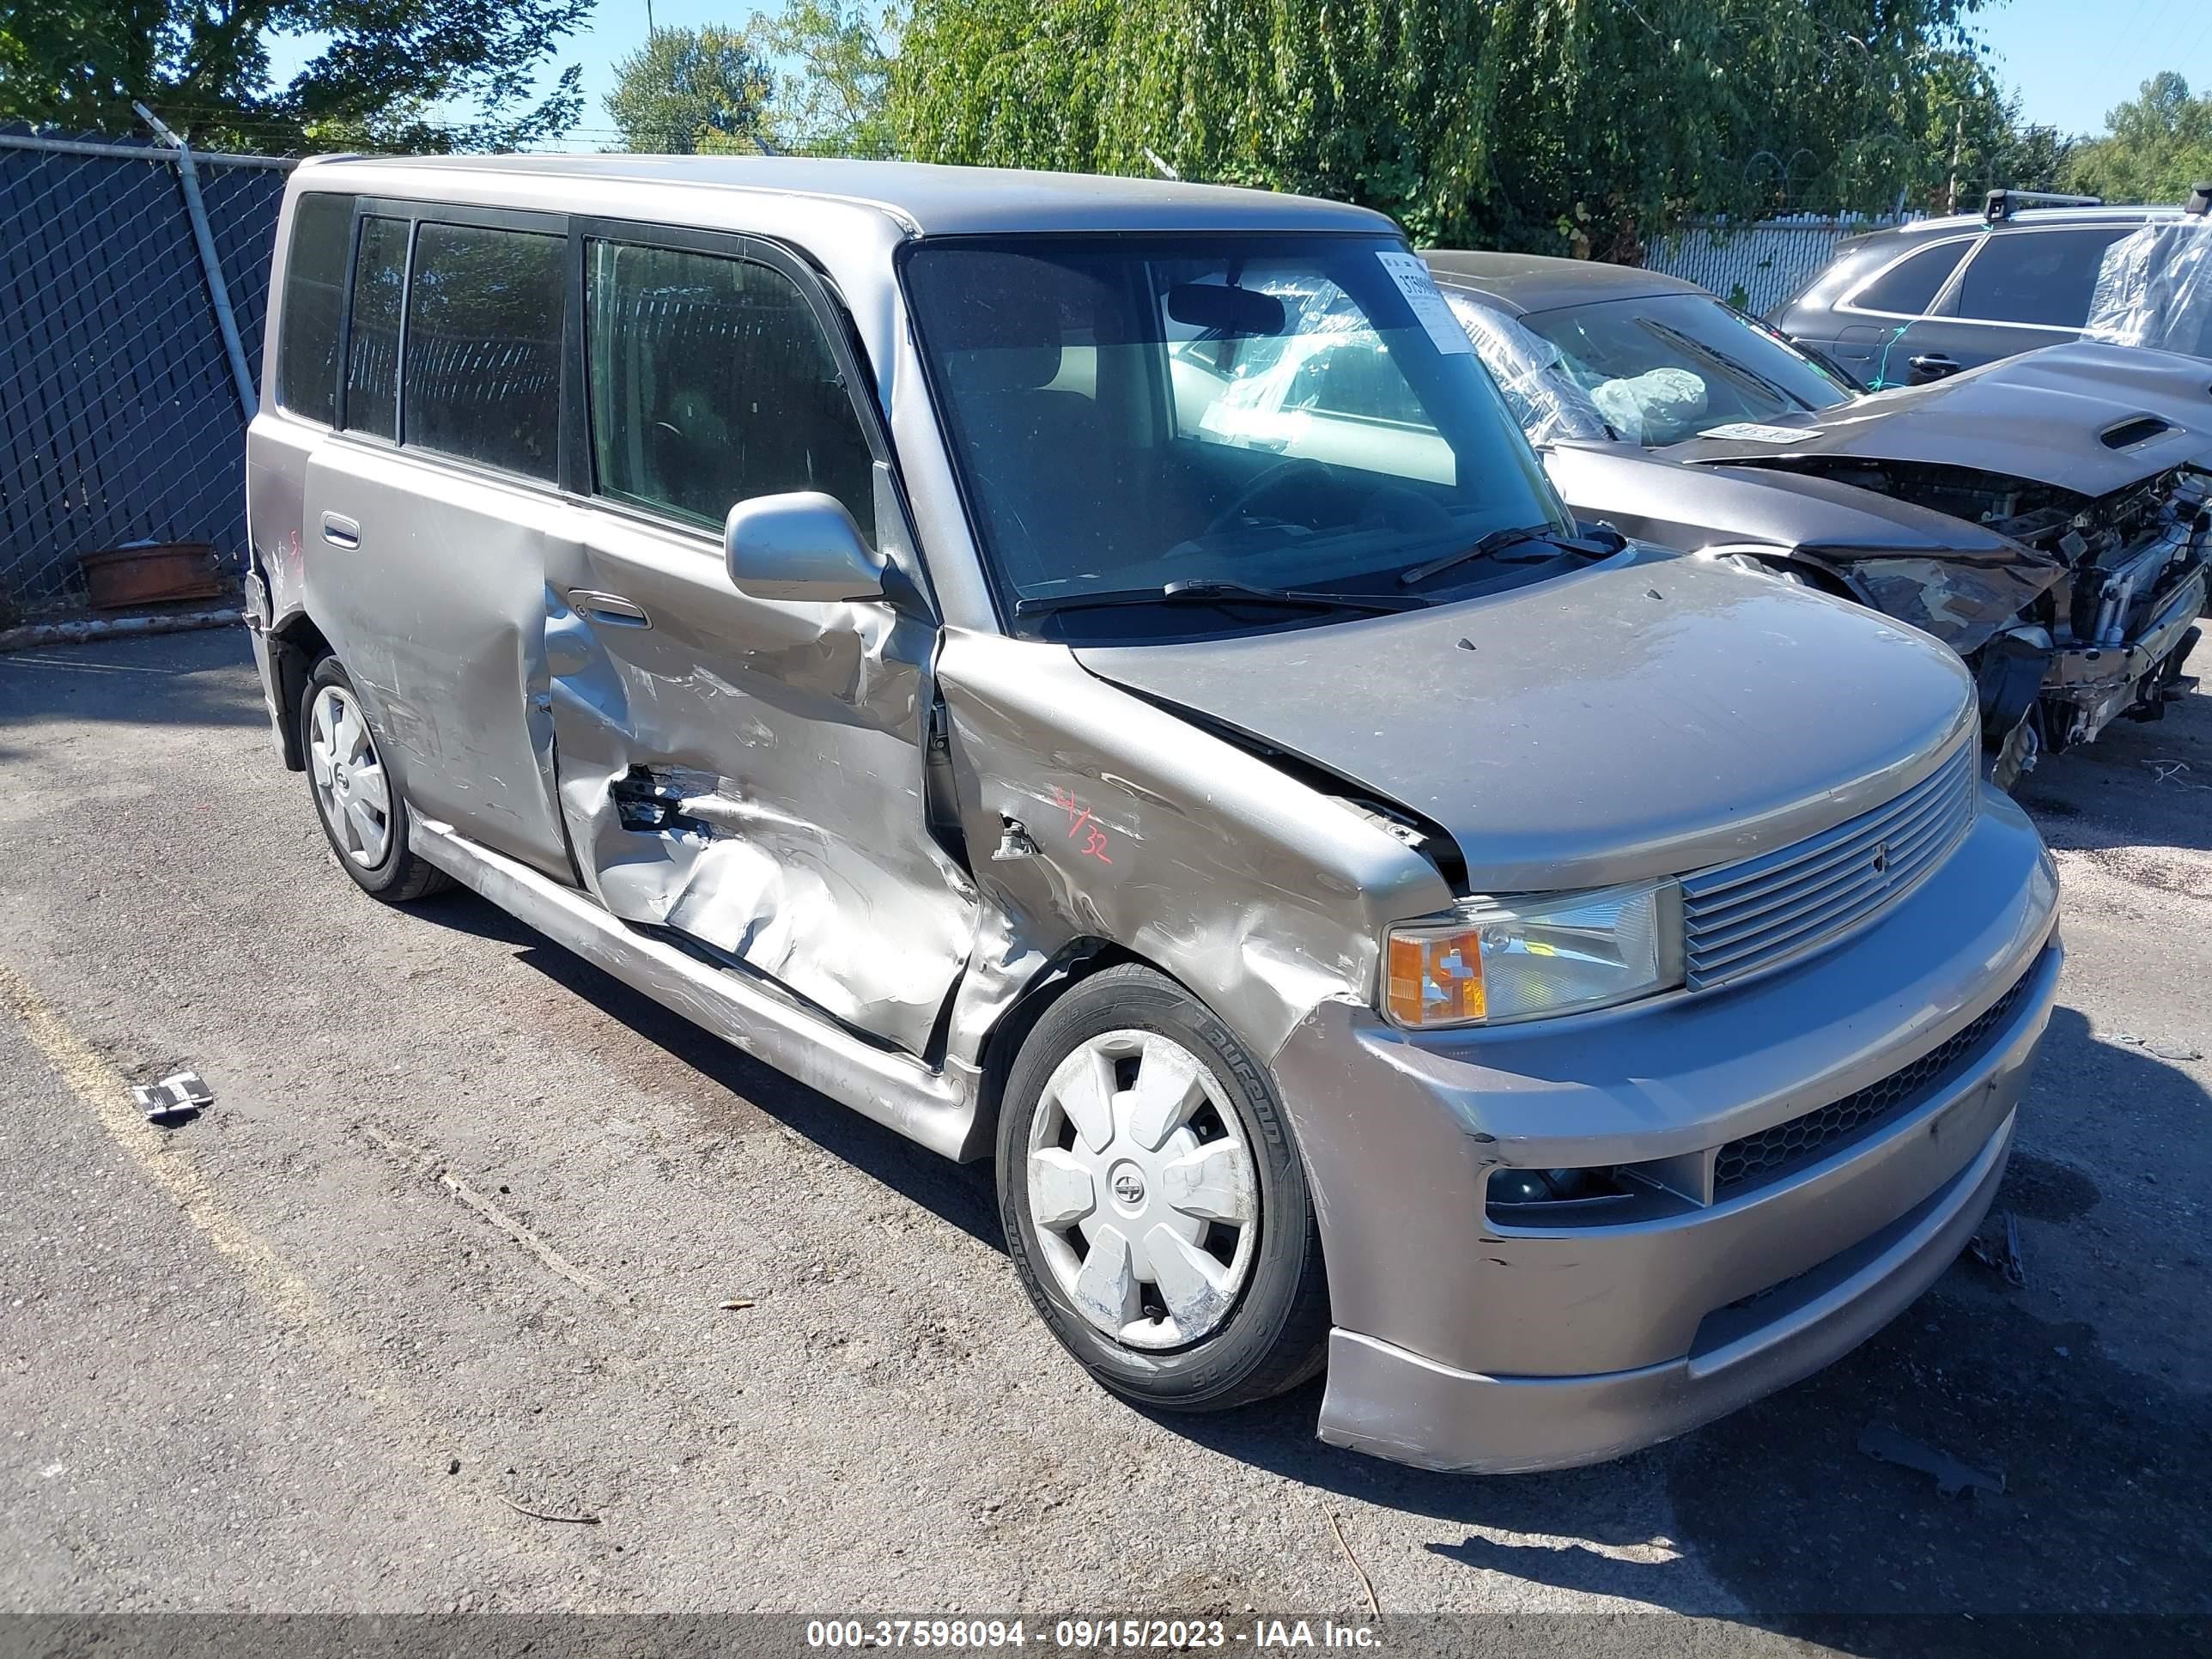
column 1139, row 413
column 1664, row 369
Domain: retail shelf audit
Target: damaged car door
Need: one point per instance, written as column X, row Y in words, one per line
column 743, row 769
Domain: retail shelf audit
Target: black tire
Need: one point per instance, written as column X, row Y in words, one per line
column 401, row 876
column 1276, row 1333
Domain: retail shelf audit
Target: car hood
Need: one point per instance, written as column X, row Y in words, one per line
column 1643, row 717
column 2175, row 387
column 1959, row 580
column 2043, row 428
column 1690, row 507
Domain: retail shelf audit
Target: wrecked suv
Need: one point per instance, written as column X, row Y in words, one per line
column 1367, row 922
column 2046, row 516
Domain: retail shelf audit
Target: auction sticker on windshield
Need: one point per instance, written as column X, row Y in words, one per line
column 1421, row 290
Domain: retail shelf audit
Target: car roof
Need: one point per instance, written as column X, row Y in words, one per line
column 927, row 199
column 1527, row 283
column 1957, row 224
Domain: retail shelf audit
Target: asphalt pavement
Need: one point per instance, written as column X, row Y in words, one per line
column 487, row 1284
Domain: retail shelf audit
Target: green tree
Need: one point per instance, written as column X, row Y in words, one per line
column 1548, row 124
column 2156, row 146
column 417, row 75
column 833, row 83
column 692, row 92
column 1978, row 141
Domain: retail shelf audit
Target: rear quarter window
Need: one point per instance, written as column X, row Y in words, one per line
column 314, row 299
column 1908, row 287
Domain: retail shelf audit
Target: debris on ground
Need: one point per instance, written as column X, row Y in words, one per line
column 736, row 1303
column 177, row 1099
column 1367, row 1584
column 1886, row 1445
column 540, row 1515
column 2155, row 1049
column 2001, row 1255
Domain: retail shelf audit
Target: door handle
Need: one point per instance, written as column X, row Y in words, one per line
column 340, row 531
column 608, row 608
column 1935, row 365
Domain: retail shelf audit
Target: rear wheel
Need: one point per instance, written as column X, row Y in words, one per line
column 1154, row 1200
column 361, row 811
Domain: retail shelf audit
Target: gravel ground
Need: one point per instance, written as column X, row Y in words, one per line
column 454, row 1245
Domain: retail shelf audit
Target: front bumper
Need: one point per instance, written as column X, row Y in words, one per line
column 1464, row 1341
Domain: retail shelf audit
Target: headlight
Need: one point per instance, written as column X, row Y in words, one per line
column 1492, row 960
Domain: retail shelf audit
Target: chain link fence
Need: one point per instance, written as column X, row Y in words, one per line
column 122, row 407
column 1759, row 265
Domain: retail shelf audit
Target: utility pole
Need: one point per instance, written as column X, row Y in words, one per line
column 1958, row 141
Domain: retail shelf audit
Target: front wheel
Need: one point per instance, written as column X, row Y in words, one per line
column 1154, row 1200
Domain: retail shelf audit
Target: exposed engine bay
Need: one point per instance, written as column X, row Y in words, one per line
column 2108, row 635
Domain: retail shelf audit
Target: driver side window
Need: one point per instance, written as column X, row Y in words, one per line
column 711, row 383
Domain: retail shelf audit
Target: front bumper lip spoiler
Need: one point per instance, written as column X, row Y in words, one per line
column 1386, row 1401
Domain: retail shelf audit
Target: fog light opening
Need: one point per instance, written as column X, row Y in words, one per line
column 1516, row 1188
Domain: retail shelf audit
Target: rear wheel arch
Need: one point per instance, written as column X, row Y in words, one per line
column 295, row 646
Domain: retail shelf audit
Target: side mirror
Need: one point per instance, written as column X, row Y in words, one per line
column 804, row 546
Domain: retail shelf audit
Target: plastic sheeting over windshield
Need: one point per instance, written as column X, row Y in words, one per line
column 1545, row 398
column 2155, row 288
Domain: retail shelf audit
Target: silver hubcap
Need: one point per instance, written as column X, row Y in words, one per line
column 349, row 784
column 1142, row 1189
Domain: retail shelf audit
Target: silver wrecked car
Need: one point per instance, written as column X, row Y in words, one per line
column 1368, row 923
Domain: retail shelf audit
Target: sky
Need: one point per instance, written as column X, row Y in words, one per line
column 2071, row 60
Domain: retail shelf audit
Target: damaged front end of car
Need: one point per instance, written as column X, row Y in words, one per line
column 2105, row 637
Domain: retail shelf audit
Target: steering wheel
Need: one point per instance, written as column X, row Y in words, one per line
column 1260, row 487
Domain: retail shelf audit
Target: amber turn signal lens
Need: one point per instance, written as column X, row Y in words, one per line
column 1435, row 978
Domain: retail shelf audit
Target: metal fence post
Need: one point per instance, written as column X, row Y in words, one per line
column 188, row 179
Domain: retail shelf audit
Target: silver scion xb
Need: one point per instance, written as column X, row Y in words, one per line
column 1566, row 990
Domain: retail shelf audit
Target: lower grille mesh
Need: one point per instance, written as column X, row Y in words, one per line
column 1761, row 1157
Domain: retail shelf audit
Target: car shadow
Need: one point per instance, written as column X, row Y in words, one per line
column 962, row 1195
column 168, row 679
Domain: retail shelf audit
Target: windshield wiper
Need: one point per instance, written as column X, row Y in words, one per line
column 1495, row 541
column 1202, row 591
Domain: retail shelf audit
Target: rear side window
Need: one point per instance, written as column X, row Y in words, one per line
column 2036, row 277
column 380, row 276
column 711, row 382
column 484, row 346
column 315, row 295
column 1908, row 287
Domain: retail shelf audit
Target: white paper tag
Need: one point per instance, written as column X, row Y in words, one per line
column 1420, row 289
column 1751, row 431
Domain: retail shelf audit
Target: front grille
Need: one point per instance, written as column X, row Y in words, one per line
column 1741, row 918
column 1771, row 1153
